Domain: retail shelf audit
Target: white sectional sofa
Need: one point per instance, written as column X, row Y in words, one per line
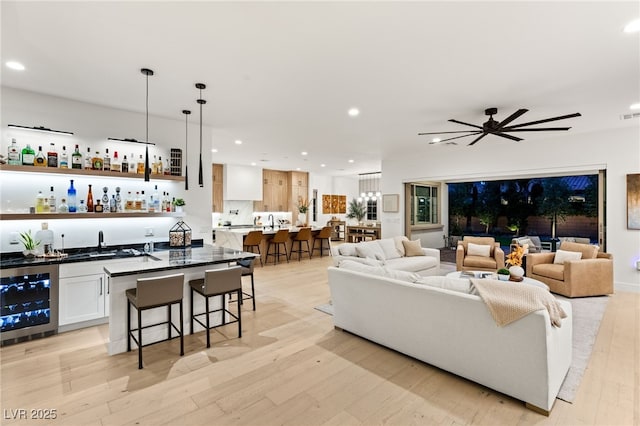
column 453, row 330
column 391, row 253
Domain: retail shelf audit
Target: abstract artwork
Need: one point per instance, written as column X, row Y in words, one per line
column 633, row 201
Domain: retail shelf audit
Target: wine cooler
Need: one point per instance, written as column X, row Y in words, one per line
column 28, row 302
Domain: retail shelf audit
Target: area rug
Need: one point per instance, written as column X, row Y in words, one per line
column 327, row 308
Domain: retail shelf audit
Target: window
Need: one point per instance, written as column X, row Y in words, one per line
column 372, row 209
column 424, row 204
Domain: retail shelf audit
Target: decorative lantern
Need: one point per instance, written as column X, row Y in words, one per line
column 180, row 235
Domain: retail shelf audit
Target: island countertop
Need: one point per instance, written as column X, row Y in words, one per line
column 177, row 259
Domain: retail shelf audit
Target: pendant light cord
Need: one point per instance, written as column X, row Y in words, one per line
column 147, row 72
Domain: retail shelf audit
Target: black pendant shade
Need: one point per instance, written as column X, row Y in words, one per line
column 147, row 72
column 201, row 102
column 186, row 113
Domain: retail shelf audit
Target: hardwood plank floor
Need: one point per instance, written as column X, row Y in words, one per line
column 292, row 367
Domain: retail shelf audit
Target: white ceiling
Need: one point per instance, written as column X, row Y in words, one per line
column 281, row 76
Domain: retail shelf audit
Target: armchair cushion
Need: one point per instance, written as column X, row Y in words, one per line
column 564, row 256
column 588, row 251
column 478, row 250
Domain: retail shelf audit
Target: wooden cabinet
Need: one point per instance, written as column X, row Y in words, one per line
column 337, row 229
column 298, row 189
column 217, row 188
column 275, row 192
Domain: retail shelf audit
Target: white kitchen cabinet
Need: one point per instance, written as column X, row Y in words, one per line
column 82, row 298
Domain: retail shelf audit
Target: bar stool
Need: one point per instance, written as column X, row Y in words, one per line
column 303, row 236
column 280, row 239
column 154, row 293
column 251, row 241
column 217, row 282
column 247, row 270
column 324, row 234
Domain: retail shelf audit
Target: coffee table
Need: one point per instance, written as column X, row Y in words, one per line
column 525, row 280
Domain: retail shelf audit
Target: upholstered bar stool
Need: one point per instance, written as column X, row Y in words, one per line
column 323, row 235
column 247, row 271
column 217, row 282
column 278, row 240
column 303, row 236
column 252, row 241
column 154, row 293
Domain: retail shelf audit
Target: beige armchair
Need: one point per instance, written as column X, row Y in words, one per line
column 491, row 260
column 592, row 275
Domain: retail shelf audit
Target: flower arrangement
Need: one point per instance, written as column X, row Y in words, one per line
column 303, row 205
column 515, row 257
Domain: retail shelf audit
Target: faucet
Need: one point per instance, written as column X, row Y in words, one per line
column 101, row 243
column 270, row 220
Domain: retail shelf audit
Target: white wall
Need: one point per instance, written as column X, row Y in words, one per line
column 331, row 185
column 616, row 150
column 92, row 124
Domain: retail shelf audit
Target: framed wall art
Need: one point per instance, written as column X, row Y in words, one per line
column 633, row 201
column 390, row 203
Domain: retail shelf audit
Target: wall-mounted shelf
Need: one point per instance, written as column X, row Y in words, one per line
column 38, row 216
column 83, row 172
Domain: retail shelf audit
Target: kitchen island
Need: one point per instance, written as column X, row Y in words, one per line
column 192, row 262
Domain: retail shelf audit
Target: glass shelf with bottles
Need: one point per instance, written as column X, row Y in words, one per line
column 87, row 172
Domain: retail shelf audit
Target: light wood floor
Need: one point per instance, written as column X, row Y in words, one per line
column 292, row 367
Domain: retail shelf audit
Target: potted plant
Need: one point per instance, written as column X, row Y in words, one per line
column 179, row 204
column 30, row 244
column 503, row 274
column 303, row 208
column 356, row 210
column 515, row 260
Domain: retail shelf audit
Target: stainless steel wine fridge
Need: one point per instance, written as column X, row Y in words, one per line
column 28, row 302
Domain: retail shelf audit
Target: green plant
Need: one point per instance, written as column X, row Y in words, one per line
column 28, row 241
column 503, row 271
column 356, row 210
column 303, row 205
column 179, row 202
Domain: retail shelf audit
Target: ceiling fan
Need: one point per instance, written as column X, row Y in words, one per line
column 501, row 128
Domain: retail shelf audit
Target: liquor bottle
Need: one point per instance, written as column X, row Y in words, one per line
column 14, row 153
column 64, row 158
column 154, row 165
column 82, row 208
column 90, row 200
column 105, row 199
column 167, row 167
column 128, row 203
column 119, row 206
column 63, row 207
column 52, row 201
column 28, row 156
column 45, row 206
column 115, row 163
column 138, row 202
column 159, row 167
column 163, row 202
column 96, row 164
column 76, row 159
column 140, row 167
column 125, row 164
column 143, row 202
column 71, row 198
column 52, row 156
column 40, row 202
column 40, row 160
column 88, row 160
column 169, row 204
column 156, row 200
column 106, row 161
column 99, row 208
column 113, row 204
column 132, row 164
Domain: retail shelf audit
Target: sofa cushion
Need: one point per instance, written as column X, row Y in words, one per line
column 388, row 246
column 347, row 249
column 549, row 270
column 478, row 250
column 396, row 274
column 370, row 249
column 487, row 241
column 588, row 251
column 479, row 262
column 398, row 242
column 412, row 248
column 562, row 256
column 380, row 271
column 530, row 244
column 454, row 284
column 412, row 264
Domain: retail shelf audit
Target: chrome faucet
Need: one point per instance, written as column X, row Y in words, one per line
column 101, row 243
column 270, row 220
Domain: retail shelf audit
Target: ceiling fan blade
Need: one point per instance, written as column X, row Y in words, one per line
column 455, row 137
column 466, row 124
column 546, row 120
column 539, row 129
column 504, row 135
column 442, row 133
column 512, row 117
column 478, row 138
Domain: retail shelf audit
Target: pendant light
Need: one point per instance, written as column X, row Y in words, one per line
column 147, row 72
column 201, row 102
column 186, row 113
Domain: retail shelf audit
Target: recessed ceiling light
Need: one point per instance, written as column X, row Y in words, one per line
column 15, row 65
column 635, row 106
column 298, row 168
column 632, row 27
column 253, row 163
column 238, row 142
column 323, row 165
column 351, row 160
column 354, row 112
column 214, row 150
column 435, row 140
column 304, row 153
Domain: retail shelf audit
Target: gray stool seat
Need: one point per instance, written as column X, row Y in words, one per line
column 153, row 293
column 217, row 282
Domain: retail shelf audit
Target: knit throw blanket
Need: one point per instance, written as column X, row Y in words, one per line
column 508, row 302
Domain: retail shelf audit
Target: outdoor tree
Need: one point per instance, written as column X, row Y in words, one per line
column 489, row 204
column 554, row 203
column 461, row 204
column 517, row 207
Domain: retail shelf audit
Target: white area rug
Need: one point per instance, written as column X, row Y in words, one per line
column 587, row 315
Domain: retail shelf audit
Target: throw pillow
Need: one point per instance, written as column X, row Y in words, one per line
column 396, row 274
column 370, row 249
column 388, row 246
column 454, row 284
column 564, row 256
column 412, row 248
column 347, row 249
column 478, row 250
column 531, row 248
column 398, row 242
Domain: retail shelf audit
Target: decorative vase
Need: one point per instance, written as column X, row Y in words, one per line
column 516, row 271
column 179, row 209
column 302, row 219
column 29, row 253
column 503, row 277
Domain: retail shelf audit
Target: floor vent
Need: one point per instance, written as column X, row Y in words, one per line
column 629, row 116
